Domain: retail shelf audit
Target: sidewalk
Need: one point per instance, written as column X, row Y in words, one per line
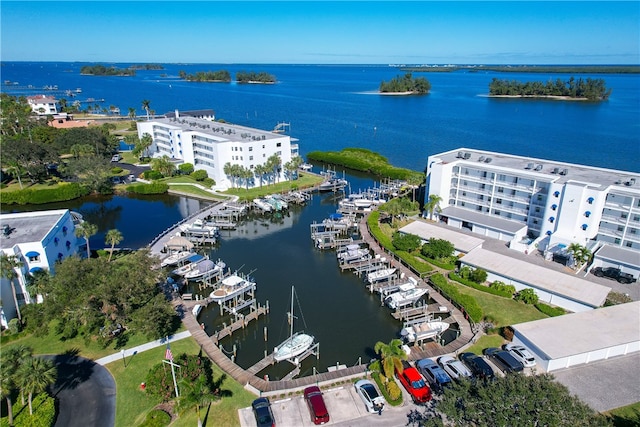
column 144, row 347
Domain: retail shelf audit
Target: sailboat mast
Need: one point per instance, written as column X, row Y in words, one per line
column 291, row 333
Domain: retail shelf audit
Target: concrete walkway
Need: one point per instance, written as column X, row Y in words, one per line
column 144, row 347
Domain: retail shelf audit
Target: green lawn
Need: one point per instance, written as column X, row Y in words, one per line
column 133, row 404
column 51, row 344
column 304, row 180
column 194, row 191
column 486, row 341
column 501, row 311
column 626, row 416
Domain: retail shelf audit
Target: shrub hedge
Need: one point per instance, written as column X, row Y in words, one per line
column 548, row 310
column 44, row 413
column 437, row 263
column 383, row 389
column 153, row 188
column 494, row 291
column 37, row 196
column 468, row 302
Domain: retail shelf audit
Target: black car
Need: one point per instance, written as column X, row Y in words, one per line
column 504, row 360
column 613, row 273
column 478, row 366
column 262, row 411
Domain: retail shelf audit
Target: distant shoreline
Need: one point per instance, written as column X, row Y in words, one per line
column 554, row 97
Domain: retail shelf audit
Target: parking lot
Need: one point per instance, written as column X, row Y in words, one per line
column 344, row 405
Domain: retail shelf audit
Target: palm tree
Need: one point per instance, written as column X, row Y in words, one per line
column 163, row 165
column 38, row 282
column 113, row 237
column 391, row 356
column 580, row 253
column 35, row 375
column 145, row 106
column 433, row 204
column 86, row 229
column 8, row 266
column 132, row 113
column 12, row 358
column 260, row 171
column 197, row 393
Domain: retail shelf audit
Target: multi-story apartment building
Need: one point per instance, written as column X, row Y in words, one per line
column 535, row 203
column 43, row 105
column 37, row 240
column 210, row 145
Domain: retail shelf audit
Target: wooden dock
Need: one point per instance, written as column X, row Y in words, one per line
column 241, row 323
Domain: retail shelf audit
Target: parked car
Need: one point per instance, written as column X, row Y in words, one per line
column 262, row 411
column 413, row 382
column 521, row 353
column 454, row 368
column 614, row 274
column 435, row 375
column 116, row 158
column 504, row 360
column 370, row 396
column 317, row 407
column 477, row 365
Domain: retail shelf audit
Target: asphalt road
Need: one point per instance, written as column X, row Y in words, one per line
column 86, row 393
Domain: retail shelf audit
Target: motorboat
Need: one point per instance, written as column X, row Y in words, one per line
column 423, row 331
column 263, row 205
column 205, row 269
column 175, row 258
column 407, row 294
column 382, row 274
column 199, row 228
column 333, row 184
column 231, row 287
column 353, row 253
column 337, row 221
column 188, row 264
column 196, row 310
column 296, row 344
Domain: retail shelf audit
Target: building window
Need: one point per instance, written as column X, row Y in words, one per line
column 55, row 241
column 250, row 157
column 279, row 144
column 590, row 200
column 620, row 228
column 64, row 230
column 587, row 214
column 554, row 207
column 556, row 193
column 584, row 226
column 551, row 219
column 250, row 148
column 68, row 244
column 616, row 241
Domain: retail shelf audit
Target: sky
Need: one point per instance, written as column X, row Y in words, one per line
column 322, row 32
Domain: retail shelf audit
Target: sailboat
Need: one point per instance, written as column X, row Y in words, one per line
column 296, row 344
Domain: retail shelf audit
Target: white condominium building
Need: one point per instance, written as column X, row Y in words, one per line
column 210, row 145
column 43, row 105
column 535, row 203
column 37, row 240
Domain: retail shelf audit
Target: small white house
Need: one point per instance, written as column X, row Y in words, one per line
column 43, row 105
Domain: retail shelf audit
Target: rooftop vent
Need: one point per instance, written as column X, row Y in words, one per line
column 488, row 160
column 529, row 166
column 6, row 230
column 481, row 159
column 564, row 171
column 538, row 167
column 556, row 170
column 460, row 155
column 467, row 155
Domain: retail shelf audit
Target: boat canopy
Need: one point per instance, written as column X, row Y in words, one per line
column 205, row 266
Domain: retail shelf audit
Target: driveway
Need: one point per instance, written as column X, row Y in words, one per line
column 86, row 393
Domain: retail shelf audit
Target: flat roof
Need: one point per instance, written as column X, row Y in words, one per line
column 618, row 254
column 585, row 331
column 549, row 169
column 556, row 282
column 28, row 227
column 461, row 242
column 221, row 131
column 483, row 219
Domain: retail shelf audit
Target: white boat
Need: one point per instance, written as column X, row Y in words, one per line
column 356, row 201
column 263, row 205
column 175, row 258
column 206, row 268
column 382, row 274
column 422, row 331
column 190, row 263
column 406, row 295
column 306, row 166
column 296, row 344
column 333, row 184
column 199, row 228
column 231, row 287
column 353, row 253
column 196, row 310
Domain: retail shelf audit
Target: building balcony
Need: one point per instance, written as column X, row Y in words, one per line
column 614, row 219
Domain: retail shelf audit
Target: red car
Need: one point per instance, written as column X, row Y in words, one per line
column 315, row 402
column 414, row 384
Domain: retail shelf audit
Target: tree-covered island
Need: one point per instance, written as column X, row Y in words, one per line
column 589, row 89
column 206, row 76
column 406, row 85
column 103, row 70
column 253, row 77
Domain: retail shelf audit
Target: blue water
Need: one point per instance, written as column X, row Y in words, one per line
column 332, row 107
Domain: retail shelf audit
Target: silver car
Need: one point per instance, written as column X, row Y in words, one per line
column 454, row 368
column 522, row 354
column 370, row 396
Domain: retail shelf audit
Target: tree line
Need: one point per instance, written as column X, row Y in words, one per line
column 270, row 171
column 406, row 83
column 591, row 89
column 103, row 70
column 206, row 76
column 251, row 77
